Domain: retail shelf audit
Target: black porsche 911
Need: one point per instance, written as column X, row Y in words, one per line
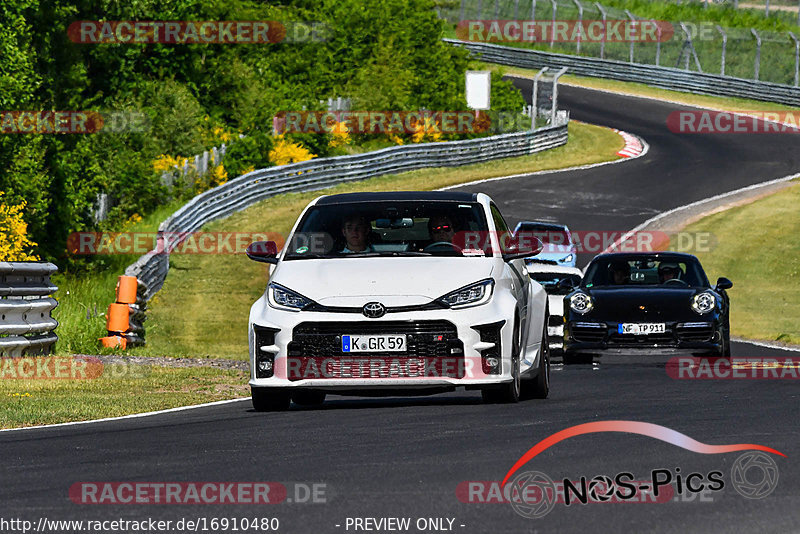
column 658, row 300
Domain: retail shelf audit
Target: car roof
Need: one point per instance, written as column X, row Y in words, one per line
column 428, row 196
column 546, row 268
column 661, row 256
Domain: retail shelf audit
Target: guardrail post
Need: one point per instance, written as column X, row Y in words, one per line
column 633, row 21
column 480, row 10
column 758, row 53
column 496, row 9
column 603, row 40
column 580, row 25
column 796, row 59
column 658, row 43
column 516, row 9
column 558, row 75
column 534, row 96
column 554, row 3
column 533, row 10
column 724, row 46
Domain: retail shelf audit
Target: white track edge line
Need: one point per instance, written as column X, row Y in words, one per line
column 131, row 416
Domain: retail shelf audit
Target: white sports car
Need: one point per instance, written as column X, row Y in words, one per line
column 555, row 279
column 398, row 293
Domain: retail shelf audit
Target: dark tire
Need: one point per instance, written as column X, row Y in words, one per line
column 308, row 397
column 270, row 399
column 539, row 387
column 507, row 393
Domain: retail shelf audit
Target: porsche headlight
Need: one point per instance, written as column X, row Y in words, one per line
column 581, row 303
column 471, row 295
column 704, row 302
column 286, row 299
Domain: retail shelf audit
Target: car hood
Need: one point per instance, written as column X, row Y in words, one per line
column 391, row 281
column 644, row 304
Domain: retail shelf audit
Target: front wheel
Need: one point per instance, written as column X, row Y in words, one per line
column 270, row 399
column 510, row 392
column 539, row 387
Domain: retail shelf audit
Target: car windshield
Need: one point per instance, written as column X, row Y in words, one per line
column 547, row 234
column 645, row 271
column 550, row 280
column 391, row 229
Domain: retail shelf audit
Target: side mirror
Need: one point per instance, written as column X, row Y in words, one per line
column 263, row 251
column 522, row 245
column 724, row 283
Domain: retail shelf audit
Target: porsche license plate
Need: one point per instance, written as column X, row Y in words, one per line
column 374, row 343
column 641, row 329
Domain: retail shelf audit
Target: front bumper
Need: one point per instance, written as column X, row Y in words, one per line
column 444, row 348
column 705, row 336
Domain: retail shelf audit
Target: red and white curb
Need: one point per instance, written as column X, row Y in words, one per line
column 633, row 145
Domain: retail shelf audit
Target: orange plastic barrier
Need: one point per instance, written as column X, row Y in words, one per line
column 117, row 319
column 114, row 341
column 126, row 290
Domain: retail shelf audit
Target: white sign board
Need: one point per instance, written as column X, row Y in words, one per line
column 479, row 88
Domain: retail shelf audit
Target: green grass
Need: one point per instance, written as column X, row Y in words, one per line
column 758, row 248
column 84, row 292
column 119, row 391
column 202, row 309
column 777, row 52
column 641, row 89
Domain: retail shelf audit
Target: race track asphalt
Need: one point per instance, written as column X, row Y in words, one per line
column 405, row 457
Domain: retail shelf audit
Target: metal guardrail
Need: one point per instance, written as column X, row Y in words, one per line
column 664, row 77
column 151, row 269
column 26, row 327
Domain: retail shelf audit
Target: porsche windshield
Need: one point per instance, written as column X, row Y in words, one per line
column 645, row 271
column 391, row 228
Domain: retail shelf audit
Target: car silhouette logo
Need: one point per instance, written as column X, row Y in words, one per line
column 373, row 310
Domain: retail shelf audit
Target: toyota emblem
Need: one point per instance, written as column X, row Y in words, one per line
column 373, row 310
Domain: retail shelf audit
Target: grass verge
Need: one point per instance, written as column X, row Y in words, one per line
column 640, row 89
column 751, row 240
column 120, row 390
column 202, row 309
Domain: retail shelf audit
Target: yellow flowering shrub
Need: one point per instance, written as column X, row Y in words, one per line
column 340, row 135
column 426, row 131
column 14, row 242
column 285, row 152
column 165, row 163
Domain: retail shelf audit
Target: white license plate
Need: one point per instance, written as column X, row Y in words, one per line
column 374, row 343
column 641, row 329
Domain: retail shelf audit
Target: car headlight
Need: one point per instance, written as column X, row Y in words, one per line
column 703, row 302
column 471, row 295
column 567, row 259
column 286, row 299
column 581, row 303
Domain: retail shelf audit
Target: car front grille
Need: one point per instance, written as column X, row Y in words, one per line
column 633, row 339
column 695, row 331
column 432, row 349
column 588, row 332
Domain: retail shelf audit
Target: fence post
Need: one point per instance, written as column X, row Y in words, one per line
column 766, row 8
column 461, row 12
column 516, row 9
column 796, row 58
column 533, row 10
column 560, row 73
column 633, row 21
column 496, row 9
column 603, row 41
column 658, row 43
column 480, row 10
column 688, row 44
column 724, row 46
column 535, row 95
column 758, row 52
column 580, row 25
column 554, row 3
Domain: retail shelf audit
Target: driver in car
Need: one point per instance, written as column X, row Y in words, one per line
column 441, row 229
column 620, row 273
column 669, row 271
column 355, row 230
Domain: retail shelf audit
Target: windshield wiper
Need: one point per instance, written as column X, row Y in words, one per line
column 385, row 253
